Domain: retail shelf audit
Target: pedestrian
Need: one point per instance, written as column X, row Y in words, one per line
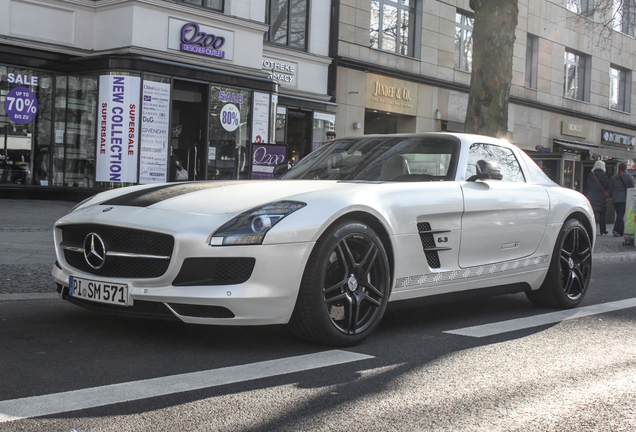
column 599, row 188
column 331, row 135
column 621, row 181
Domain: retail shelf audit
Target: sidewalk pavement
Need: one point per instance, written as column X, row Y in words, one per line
column 27, row 253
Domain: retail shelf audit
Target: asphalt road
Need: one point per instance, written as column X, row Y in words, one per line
column 63, row 368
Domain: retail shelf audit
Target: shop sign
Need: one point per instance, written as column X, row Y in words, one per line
column 615, row 138
column 21, row 105
column 260, row 118
column 155, row 133
column 573, row 129
column 22, row 79
column 392, row 95
column 194, row 40
column 265, row 158
column 281, row 71
column 116, row 159
column 200, row 39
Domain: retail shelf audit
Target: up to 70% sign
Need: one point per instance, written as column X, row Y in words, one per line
column 21, row 105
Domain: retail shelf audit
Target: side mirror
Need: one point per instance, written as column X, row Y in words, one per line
column 281, row 169
column 487, row 170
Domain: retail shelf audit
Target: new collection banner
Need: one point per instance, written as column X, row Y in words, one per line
column 118, row 129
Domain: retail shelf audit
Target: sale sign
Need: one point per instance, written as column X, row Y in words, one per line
column 118, row 130
column 230, row 117
column 21, row 105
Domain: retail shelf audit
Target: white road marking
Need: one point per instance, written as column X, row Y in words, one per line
column 36, row 406
column 539, row 320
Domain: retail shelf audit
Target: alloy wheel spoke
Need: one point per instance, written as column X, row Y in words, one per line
column 577, row 282
column 368, row 298
column 569, row 281
column 576, row 240
column 346, row 256
column 372, row 288
column 338, row 286
column 354, row 310
column 337, row 298
column 367, row 262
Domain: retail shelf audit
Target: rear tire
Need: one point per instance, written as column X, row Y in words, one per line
column 568, row 277
column 345, row 287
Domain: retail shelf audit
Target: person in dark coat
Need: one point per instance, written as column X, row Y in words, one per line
column 599, row 188
column 621, row 181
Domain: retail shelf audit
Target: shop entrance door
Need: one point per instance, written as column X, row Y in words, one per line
column 189, row 127
column 299, row 134
column 381, row 122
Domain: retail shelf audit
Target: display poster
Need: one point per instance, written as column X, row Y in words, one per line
column 117, row 129
column 265, row 158
column 260, row 118
column 21, row 105
column 155, row 133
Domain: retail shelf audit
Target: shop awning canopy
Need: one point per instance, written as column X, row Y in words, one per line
column 626, row 154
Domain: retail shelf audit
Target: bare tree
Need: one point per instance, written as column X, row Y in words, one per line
column 493, row 43
column 604, row 18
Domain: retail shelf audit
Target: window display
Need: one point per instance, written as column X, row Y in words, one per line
column 25, row 126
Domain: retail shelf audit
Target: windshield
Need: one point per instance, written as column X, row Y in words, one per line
column 383, row 158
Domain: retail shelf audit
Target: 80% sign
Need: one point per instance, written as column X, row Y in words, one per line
column 21, row 105
column 230, row 117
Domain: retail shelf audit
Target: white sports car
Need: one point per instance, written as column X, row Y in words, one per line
column 358, row 223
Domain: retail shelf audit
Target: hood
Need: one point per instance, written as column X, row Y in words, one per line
column 219, row 197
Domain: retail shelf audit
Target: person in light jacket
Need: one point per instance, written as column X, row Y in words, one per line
column 598, row 190
column 621, row 181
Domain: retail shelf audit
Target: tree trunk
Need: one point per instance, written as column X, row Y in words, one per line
column 493, row 44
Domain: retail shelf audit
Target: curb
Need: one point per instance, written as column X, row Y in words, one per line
column 614, row 257
column 597, row 257
column 28, row 296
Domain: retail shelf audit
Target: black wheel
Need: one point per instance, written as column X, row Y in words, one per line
column 345, row 287
column 570, row 269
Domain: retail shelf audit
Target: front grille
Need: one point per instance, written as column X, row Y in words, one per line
column 150, row 245
column 214, row 271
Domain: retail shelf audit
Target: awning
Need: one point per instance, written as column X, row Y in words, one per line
column 626, row 154
column 575, row 145
column 616, row 153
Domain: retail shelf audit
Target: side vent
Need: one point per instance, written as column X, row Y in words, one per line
column 428, row 243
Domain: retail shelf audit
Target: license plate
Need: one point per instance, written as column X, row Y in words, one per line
column 98, row 291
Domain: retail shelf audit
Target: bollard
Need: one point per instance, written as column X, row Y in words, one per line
column 630, row 217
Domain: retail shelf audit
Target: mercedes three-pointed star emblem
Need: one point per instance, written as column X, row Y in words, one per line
column 94, row 251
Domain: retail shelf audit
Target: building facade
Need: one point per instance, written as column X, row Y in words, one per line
column 404, row 66
column 108, row 93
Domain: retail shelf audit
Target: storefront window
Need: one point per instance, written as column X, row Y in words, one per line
column 323, row 123
column 228, row 150
column 281, row 125
column 25, row 126
column 75, row 129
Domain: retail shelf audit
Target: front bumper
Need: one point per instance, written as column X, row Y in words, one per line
column 267, row 297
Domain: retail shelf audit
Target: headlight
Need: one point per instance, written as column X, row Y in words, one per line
column 249, row 228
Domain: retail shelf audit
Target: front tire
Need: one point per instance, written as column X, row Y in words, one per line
column 568, row 277
column 345, row 287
